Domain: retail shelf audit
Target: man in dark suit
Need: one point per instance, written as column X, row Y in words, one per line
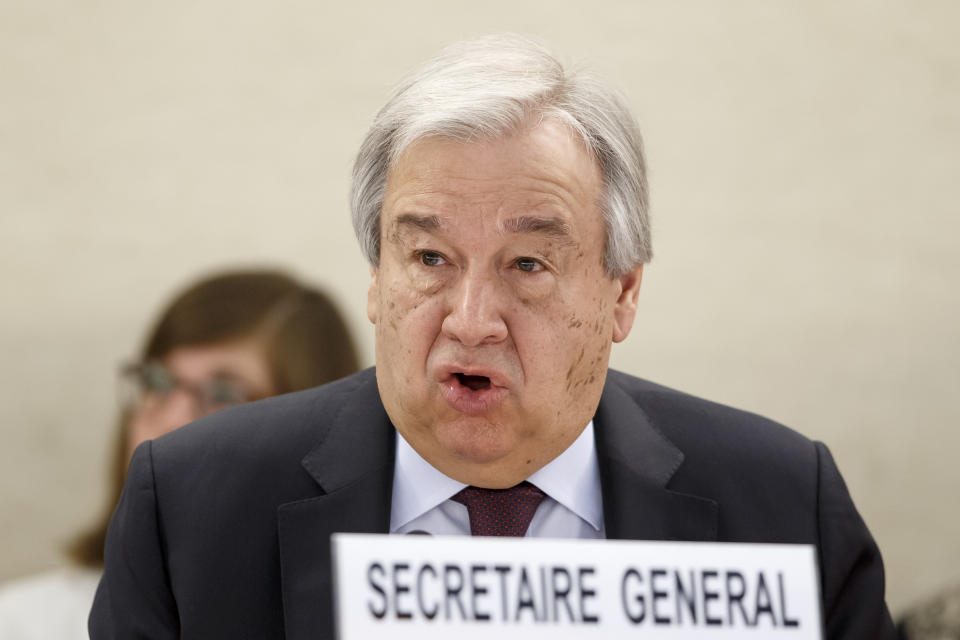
column 501, row 203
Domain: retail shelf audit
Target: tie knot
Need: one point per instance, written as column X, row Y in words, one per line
column 500, row 512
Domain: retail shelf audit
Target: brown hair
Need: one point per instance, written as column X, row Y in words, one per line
column 304, row 338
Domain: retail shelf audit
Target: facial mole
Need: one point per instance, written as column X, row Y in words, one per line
column 574, row 366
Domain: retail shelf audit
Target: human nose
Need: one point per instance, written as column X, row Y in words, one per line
column 180, row 407
column 474, row 316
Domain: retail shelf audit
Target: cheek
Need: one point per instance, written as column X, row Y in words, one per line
column 141, row 428
column 408, row 317
column 396, row 302
column 135, row 433
column 586, row 371
column 589, row 329
column 535, row 292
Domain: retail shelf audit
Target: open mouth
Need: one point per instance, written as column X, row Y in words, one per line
column 472, row 394
column 474, row 383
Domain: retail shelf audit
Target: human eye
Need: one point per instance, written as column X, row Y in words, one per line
column 529, row 265
column 154, row 378
column 223, row 393
column 431, row 258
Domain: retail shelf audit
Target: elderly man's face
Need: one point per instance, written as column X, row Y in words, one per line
column 494, row 316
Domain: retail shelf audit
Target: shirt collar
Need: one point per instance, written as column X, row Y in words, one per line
column 418, row 486
column 572, row 479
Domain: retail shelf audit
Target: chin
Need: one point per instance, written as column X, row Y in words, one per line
column 476, row 442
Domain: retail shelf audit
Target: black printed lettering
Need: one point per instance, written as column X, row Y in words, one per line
column 709, row 594
column 378, row 612
column 429, row 614
column 453, row 585
column 638, row 613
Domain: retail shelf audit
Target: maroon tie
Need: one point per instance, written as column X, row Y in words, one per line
column 500, row 512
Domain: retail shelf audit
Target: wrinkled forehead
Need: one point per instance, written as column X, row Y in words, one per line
column 547, row 163
column 540, row 181
column 456, row 131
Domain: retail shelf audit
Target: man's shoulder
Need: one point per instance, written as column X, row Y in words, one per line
column 726, row 452
column 765, row 476
column 690, row 420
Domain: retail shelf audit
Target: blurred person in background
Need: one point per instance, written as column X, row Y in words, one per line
column 231, row 338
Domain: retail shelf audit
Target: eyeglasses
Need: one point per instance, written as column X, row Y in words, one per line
column 150, row 384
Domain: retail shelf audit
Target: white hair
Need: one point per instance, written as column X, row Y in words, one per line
column 491, row 87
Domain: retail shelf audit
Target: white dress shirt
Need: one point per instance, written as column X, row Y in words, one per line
column 573, row 507
column 51, row 605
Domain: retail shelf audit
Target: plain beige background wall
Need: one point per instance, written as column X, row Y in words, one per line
column 804, row 161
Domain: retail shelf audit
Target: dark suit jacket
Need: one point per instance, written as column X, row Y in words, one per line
column 223, row 528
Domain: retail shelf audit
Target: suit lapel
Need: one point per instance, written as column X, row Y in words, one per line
column 353, row 467
column 636, row 464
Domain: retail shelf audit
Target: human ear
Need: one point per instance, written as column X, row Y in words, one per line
column 372, row 294
column 625, row 307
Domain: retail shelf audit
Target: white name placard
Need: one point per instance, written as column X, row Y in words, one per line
column 438, row 587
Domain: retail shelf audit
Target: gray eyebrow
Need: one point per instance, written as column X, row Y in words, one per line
column 554, row 227
column 424, row 223
column 548, row 226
